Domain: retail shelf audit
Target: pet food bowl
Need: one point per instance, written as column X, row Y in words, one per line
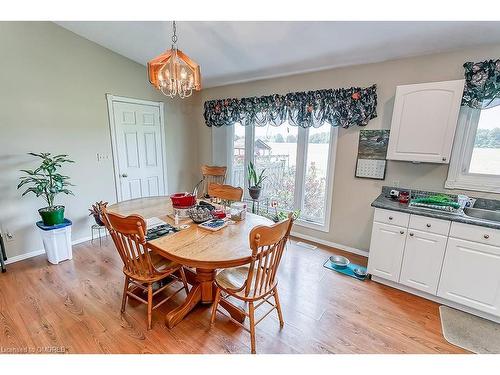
column 360, row 272
column 339, row 261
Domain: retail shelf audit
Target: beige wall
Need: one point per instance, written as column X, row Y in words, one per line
column 352, row 215
column 52, row 94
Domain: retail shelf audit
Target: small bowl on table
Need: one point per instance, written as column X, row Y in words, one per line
column 339, row 261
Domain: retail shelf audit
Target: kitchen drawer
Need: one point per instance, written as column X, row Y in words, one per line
column 391, row 217
column 429, row 224
column 475, row 233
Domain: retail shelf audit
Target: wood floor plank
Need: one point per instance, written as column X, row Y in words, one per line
column 76, row 306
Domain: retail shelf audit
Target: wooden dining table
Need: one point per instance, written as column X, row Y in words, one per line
column 201, row 249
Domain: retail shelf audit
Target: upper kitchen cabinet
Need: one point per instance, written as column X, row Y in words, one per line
column 424, row 121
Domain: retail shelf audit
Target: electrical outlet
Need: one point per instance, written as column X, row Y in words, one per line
column 9, row 236
column 102, row 157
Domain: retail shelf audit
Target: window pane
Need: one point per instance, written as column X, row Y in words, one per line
column 313, row 207
column 275, row 149
column 486, row 153
column 238, row 168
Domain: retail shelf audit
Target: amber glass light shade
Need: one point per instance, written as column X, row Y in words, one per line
column 174, row 73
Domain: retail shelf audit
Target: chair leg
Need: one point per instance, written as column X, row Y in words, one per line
column 184, row 280
column 251, row 313
column 214, row 306
column 125, row 289
column 150, row 304
column 278, row 307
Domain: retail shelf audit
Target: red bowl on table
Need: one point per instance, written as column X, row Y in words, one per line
column 180, row 200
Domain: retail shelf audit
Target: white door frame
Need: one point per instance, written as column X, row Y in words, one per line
column 112, row 127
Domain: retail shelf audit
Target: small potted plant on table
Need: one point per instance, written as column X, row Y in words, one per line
column 47, row 182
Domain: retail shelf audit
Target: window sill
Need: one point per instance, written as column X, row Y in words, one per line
column 486, row 185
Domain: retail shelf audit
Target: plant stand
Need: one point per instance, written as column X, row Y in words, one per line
column 256, row 204
column 57, row 241
column 3, row 255
column 98, row 228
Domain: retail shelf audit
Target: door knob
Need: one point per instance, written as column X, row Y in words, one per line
column 124, row 175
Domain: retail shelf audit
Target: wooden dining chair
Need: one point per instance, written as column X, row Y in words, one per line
column 139, row 265
column 212, row 174
column 256, row 282
column 226, row 192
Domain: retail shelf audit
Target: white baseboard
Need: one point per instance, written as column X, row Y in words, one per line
column 35, row 253
column 339, row 246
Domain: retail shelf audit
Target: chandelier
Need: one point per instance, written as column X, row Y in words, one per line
column 173, row 72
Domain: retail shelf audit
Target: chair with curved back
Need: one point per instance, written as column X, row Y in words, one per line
column 139, row 267
column 256, row 282
column 226, row 192
column 212, row 174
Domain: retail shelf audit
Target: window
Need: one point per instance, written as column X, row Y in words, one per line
column 299, row 167
column 475, row 163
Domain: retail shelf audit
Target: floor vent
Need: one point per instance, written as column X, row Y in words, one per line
column 307, row 245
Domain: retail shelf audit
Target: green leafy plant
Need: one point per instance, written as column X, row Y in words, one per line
column 255, row 180
column 45, row 180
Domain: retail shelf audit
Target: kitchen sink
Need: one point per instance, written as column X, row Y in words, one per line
column 482, row 214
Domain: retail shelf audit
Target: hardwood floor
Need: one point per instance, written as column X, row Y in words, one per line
column 74, row 307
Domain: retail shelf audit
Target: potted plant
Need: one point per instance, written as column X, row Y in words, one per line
column 96, row 212
column 47, row 182
column 255, row 181
column 282, row 215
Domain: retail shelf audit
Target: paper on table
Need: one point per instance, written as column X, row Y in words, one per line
column 153, row 222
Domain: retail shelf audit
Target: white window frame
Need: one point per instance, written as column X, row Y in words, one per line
column 302, row 144
column 458, row 172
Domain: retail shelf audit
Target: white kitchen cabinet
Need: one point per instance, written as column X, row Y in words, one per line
column 471, row 275
column 422, row 260
column 386, row 251
column 424, row 120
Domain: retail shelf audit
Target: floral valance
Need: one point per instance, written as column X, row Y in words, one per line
column 337, row 107
column 482, row 84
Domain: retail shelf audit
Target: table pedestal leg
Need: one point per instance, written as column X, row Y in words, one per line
column 202, row 291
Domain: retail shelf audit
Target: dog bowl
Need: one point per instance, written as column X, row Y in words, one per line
column 360, row 272
column 339, row 261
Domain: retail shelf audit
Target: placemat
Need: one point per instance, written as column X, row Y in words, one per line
column 347, row 270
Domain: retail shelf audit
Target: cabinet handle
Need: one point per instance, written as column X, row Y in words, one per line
column 402, row 231
column 411, row 234
column 443, row 159
column 486, row 236
column 390, row 217
column 428, row 225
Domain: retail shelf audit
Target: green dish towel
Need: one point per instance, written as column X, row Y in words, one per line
column 437, row 200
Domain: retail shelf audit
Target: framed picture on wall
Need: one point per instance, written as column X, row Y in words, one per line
column 372, row 153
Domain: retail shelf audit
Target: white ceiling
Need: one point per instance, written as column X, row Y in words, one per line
column 230, row 52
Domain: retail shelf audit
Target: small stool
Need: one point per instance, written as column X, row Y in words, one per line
column 98, row 228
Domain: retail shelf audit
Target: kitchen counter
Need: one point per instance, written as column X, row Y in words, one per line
column 385, row 202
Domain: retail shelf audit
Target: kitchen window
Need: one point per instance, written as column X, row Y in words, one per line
column 475, row 161
column 299, row 167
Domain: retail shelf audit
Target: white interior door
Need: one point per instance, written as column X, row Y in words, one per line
column 138, row 148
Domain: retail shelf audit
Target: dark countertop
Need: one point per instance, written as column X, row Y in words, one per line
column 386, row 203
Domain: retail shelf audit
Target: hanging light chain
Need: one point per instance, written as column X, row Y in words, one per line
column 174, row 36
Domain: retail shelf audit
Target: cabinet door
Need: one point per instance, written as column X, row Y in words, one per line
column 471, row 275
column 422, row 260
column 386, row 251
column 424, row 121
